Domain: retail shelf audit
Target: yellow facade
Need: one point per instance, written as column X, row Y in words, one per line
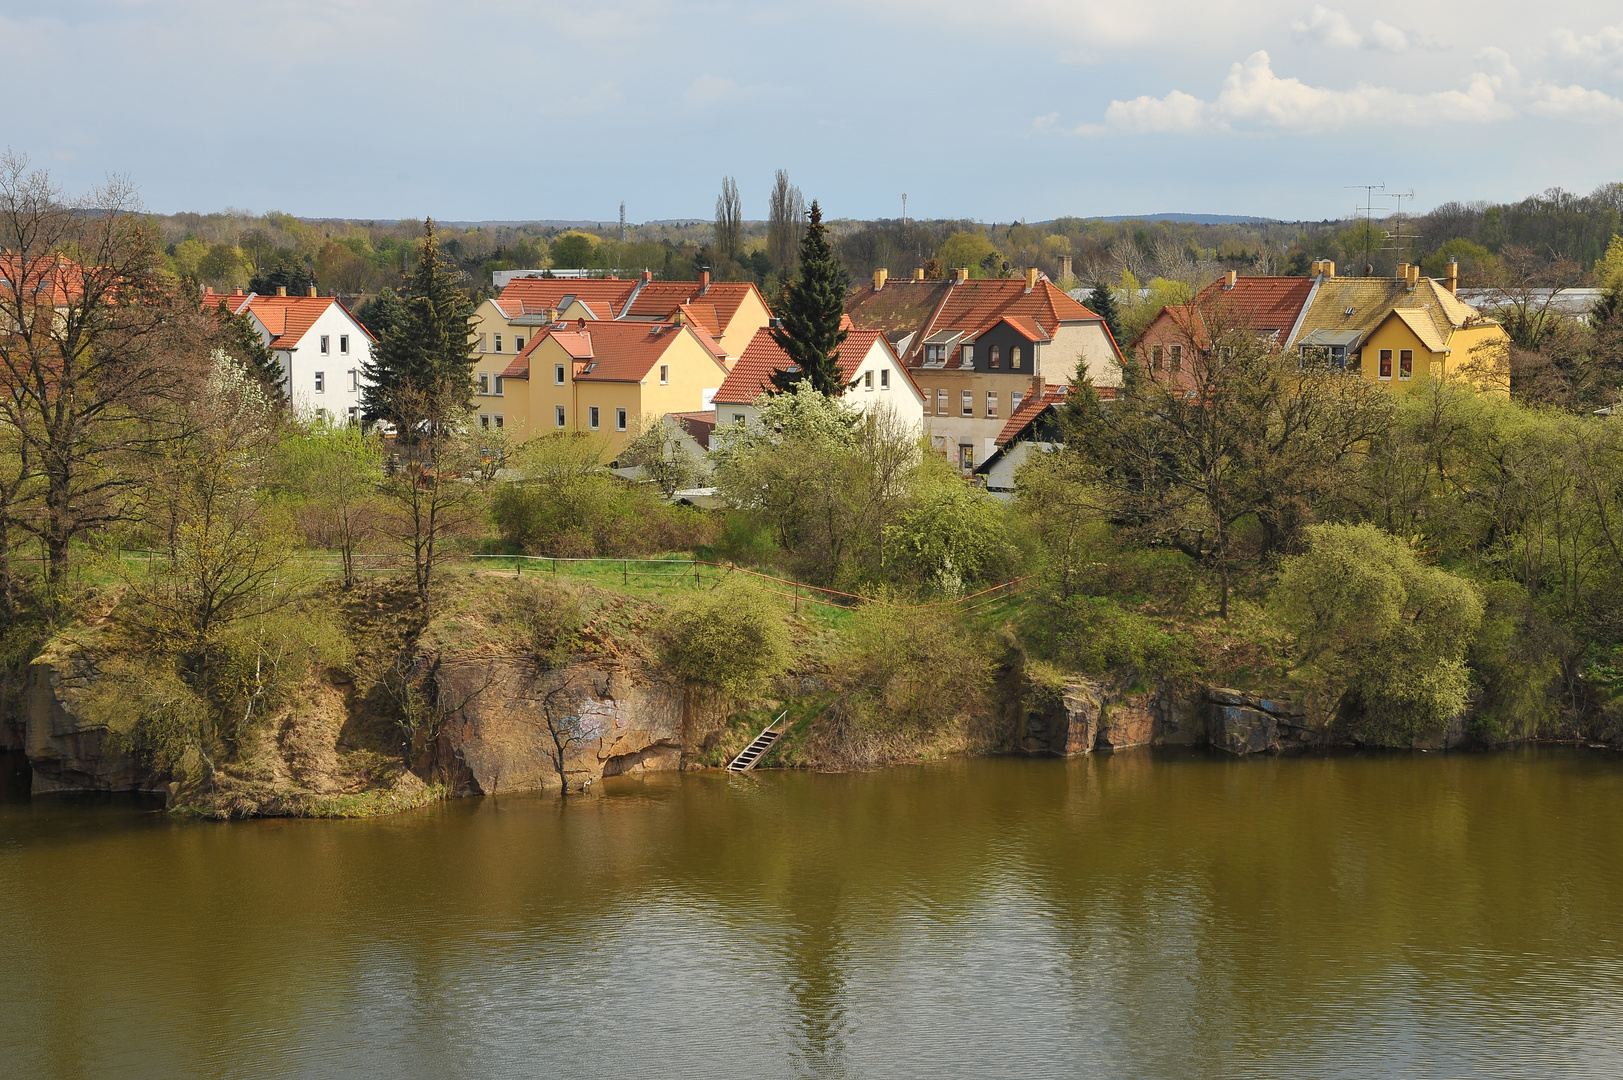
column 752, row 315
column 688, row 368
column 1473, row 354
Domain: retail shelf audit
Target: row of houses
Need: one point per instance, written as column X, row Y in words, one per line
column 976, row 365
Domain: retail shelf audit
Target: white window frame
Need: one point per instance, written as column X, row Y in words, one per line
column 968, row 356
column 884, row 378
column 558, row 374
column 498, row 421
column 1402, row 375
column 592, row 416
column 320, row 378
column 498, row 385
column 518, row 344
column 991, row 404
column 664, row 374
column 484, row 420
column 484, row 383
column 558, row 414
column 867, row 381
column 354, row 379
column 619, row 419
column 1014, row 358
column 497, row 338
column 966, row 403
column 343, row 344
column 325, row 345
column 1014, row 401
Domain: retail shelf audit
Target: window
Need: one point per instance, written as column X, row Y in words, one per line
column 619, row 419
column 483, row 344
column 1014, row 358
column 558, row 414
column 941, row 402
column 1176, row 359
column 935, row 354
column 343, row 344
column 498, row 420
column 993, row 359
column 1155, row 358
column 738, row 418
column 967, row 355
column 558, row 374
column 484, row 382
column 498, row 340
column 354, row 379
column 1386, row 363
column 867, row 380
column 518, row 344
column 1014, row 401
column 966, row 456
column 321, row 382
column 1405, row 363
column 593, row 417
column 484, row 421
column 325, row 342
column 1338, row 357
column 499, row 385
column 991, row 404
column 967, row 403
column 354, row 414
column 884, row 379
column 664, row 374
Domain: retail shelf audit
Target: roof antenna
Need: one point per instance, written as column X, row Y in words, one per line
column 1367, row 209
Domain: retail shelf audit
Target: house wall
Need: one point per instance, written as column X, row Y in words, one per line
column 1080, row 342
column 904, row 402
column 750, row 317
column 977, row 431
column 1005, row 339
column 1000, row 477
column 339, row 393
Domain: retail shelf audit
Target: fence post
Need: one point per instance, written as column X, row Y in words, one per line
column 518, row 566
column 625, row 571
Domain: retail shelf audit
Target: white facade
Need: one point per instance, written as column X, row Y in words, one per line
column 1087, row 342
column 323, row 371
column 881, row 381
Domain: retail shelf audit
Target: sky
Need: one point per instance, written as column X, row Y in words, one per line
column 995, row 110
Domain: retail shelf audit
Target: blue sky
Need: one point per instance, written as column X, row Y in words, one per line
column 989, row 109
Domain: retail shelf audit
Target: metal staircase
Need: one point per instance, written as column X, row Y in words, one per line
column 758, row 746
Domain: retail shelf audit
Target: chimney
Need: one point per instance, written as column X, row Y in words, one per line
column 918, row 273
column 879, row 277
column 1065, row 268
column 1403, row 271
column 208, row 290
column 961, row 274
column 311, row 291
column 1230, row 278
column 1328, row 268
column 1411, row 274
column 552, row 315
column 704, row 282
column 647, row 276
column 236, row 292
column 679, row 318
column 1031, row 278
column 281, row 290
column 1452, row 280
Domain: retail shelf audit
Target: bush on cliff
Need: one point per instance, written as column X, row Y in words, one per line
column 732, row 640
column 1377, row 632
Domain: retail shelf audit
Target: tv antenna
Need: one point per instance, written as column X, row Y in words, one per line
column 1396, row 238
column 1368, row 209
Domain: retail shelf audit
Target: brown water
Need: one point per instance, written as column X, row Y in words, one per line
column 1146, row 915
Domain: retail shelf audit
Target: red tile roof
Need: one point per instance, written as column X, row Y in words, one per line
column 605, row 297
column 970, row 306
column 699, row 425
column 611, row 351
column 1033, row 407
column 713, row 307
column 289, row 318
column 752, row 375
column 1261, row 304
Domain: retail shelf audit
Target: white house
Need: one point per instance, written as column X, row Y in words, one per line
column 320, row 344
column 880, row 379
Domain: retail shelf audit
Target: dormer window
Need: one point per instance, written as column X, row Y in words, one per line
column 967, row 356
column 995, row 359
column 1014, row 358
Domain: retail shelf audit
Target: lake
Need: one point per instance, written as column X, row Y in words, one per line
column 1148, row 914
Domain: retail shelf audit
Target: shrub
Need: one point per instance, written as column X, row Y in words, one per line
column 1095, row 634
column 952, row 538
column 732, row 640
column 1377, row 631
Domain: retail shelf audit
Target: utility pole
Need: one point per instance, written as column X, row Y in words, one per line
column 622, row 221
column 904, row 208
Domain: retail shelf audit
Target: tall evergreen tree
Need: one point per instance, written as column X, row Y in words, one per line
column 424, row 355
column 381, row 314
column 811, row 333
column 1102, row 302
column 241, row 341
column 296, row 279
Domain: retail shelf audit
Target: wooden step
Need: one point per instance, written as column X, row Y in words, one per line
column 758, row 746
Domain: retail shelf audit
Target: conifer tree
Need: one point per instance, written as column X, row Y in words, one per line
column 241, row 342
column 811, row 333
column 424, row 355
column 1102, row 302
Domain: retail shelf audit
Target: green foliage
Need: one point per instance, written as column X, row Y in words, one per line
column 661, row 450
column 1097, row 634
column 546, row 620
column 732, row 640
column 971, row 250
column 811, row 333
column 296, row 278
column 574, row 250
column 241, row 342
column 1378, row 631
column 424, row 356
column 952, row 538
column 1102, row 302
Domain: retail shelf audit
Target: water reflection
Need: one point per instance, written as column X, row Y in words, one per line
column 1159, row 915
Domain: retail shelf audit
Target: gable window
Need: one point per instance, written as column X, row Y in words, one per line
column 355, row 414
column 325, row 341
column 484, row 382
column 1014, row 358
column 484, row 343
column 967, row 356
column 941, row 402
column 497, row 385
column 664, row 374
column 867, row 380
column 1155, row 357
column 498, row 420
column 1014, row 401
column 592, row 418
column 484, row 420
column 558, row 374
column 558, row 414
column 354, row 379
column 343, row 344
column 966, row 456
column 991, row 404
column 1175, row 362
column 967, row 403
column 321, row 382
column 1386, row 363
column 518, row 344
column 738, row 418
column 993, row 358
column 498, row 339
column 619, row 419
column 1405, row 363
column 884, row 379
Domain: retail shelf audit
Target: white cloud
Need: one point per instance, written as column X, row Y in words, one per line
column 1602, row 49
column 1574, row 103
column 1386, row 36
column 1177, row 111
column 1328, row 28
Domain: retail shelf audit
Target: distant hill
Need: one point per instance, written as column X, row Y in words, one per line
column 1189, row 219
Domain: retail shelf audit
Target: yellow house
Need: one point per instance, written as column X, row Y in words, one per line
column 731, row 312
column 1402, row 330
column 504, row 324
column 605, row 377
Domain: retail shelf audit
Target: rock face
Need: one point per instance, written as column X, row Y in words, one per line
column 1092, row 715
column 67, row 753
column 1242, row 730
column 502, row 716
